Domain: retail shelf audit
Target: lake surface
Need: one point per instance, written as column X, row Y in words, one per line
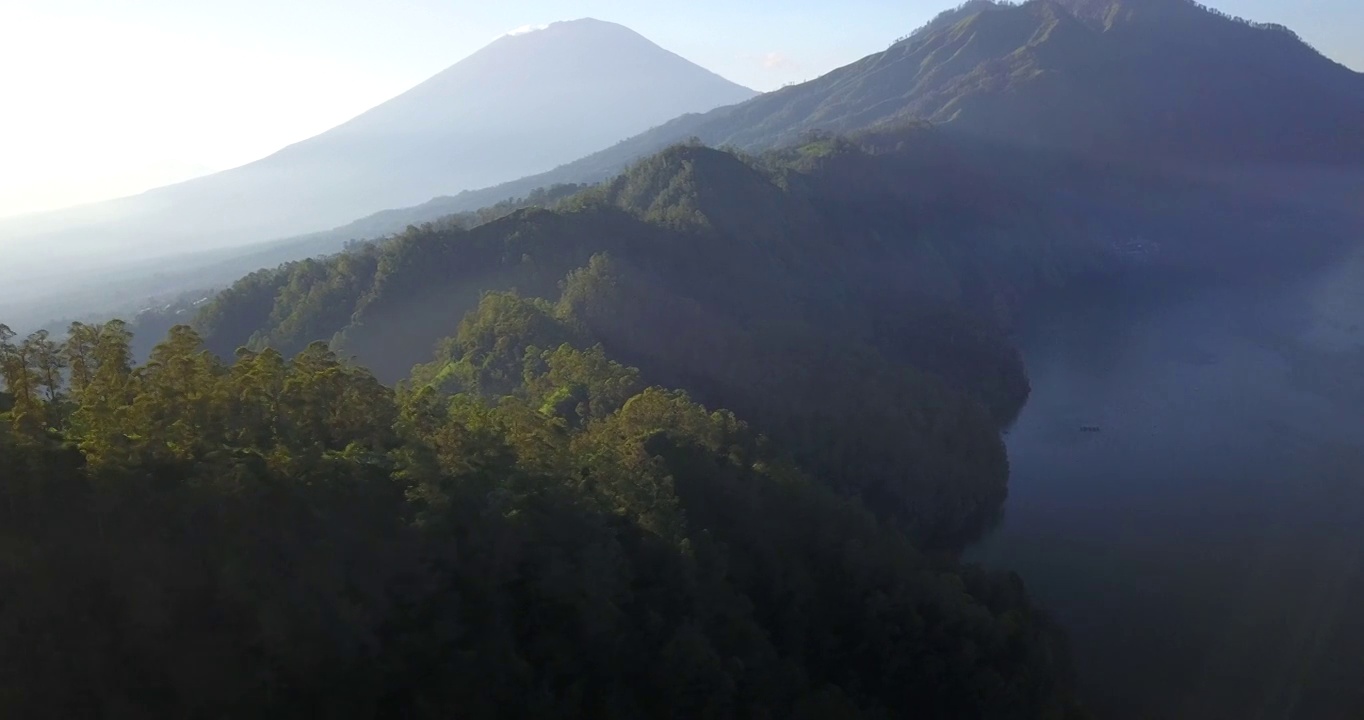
column 1205, row 550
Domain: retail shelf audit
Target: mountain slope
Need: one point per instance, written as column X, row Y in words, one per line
column 1164, row 80
column 1161, row 82
column 521, row 105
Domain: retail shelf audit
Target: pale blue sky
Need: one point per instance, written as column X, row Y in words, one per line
column 105, row 98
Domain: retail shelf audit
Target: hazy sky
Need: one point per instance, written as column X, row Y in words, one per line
column 103, row 98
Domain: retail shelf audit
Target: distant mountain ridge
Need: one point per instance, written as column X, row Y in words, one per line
column 521, row 105
column 1164, row 83
column 1153, row 80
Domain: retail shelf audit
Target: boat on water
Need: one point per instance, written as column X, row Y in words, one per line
column 1090, row 428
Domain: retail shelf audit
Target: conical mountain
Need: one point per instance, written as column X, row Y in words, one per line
column 523, row 104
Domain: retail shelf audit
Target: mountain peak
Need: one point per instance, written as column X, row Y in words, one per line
column 581, row 35
column 951, row 17
column 1183, row 13
column 566, row 52
column 579, row 26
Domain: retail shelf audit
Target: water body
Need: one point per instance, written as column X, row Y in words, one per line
column 1205, row 549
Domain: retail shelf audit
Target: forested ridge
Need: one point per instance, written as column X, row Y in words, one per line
column 526, row 528
column 531, row 524
column 849, row 288
column 849, row 229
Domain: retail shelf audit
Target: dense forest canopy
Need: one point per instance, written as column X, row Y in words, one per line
column 521, row 530
column 846, row 295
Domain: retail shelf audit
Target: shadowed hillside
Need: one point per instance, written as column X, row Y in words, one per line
column 889, row 261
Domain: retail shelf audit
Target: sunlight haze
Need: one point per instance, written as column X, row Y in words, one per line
column 109, row 99
column 606, row 359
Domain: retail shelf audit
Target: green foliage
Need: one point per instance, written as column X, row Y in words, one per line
column 486, row 357
column 32, row 373
column 580, row 386
column 283, row 538
column 847, row 295
column 926, row 457
column 785, row 287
